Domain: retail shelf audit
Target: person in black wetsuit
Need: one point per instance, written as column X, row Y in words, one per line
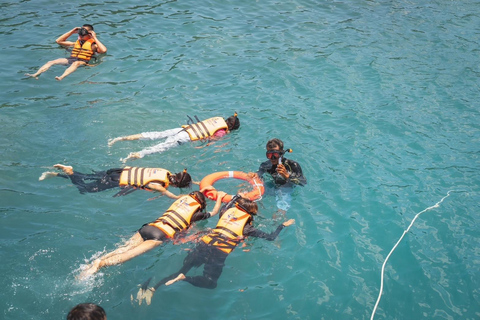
column 128, row 178
column 286, row 173
column 234, row 225
column 171, row 225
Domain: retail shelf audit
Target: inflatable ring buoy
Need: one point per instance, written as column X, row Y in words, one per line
column 255, row 194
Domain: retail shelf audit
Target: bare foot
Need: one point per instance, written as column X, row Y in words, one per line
column 59, row 78
column 180, row 277
column 66, row 169
column 47, row 175
column 31, row 75
column 92, row 269
column 132, row 155
column 112, row 141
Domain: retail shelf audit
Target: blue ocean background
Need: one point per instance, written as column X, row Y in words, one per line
column 377, row 99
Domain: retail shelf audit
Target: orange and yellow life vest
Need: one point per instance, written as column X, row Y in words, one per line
column 140, row 177
column 205, row 128
column 230, row 226
column 178, row 217
column 84, row 52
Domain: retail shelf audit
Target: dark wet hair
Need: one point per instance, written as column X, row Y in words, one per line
column 89, row 26
column 247, row 205
column 200, row 198
column 275, row 143
column 182, row 179
column 233, row 123
column 87, row 311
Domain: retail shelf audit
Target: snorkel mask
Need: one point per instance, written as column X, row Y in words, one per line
column 276, row 154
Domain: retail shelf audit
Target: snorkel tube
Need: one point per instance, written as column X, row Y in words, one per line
column 281, row 157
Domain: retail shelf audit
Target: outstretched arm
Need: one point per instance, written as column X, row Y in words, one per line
column 158, row 187
column 251, row 231
column 218, row 204
column 62, row 40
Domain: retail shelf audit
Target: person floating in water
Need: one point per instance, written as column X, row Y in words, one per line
column 128, row 178
column 172, row 224
column 83, row 49
column 286, row 173
column 212, row 128
column 234, row 225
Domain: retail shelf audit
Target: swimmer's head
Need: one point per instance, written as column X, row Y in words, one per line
column 275, row 144
column 87, row 311
column 233, row 123
column 200, row 198
column 181, row 179
column 246, row 205
column 87, row 26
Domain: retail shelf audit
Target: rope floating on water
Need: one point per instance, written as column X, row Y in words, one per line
column 436, row 205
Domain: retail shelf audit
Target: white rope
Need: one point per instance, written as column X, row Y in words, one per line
column 436, row 205
column 258, row 186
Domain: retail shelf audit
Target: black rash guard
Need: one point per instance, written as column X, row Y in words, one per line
column 293, row 168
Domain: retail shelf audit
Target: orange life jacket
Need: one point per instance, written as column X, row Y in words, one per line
column 230, row 226
column 84, row 52
column 178, row 217
column 205, row 128
column 140, row 177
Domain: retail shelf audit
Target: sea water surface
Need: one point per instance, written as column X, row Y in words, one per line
column 377, row 99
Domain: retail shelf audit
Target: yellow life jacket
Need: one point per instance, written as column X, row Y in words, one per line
column 178, row 217
column 140, row 177
column 205, row 128
column 85, row 51
column 230, row 226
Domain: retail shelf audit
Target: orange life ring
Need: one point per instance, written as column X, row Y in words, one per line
column 255, row 194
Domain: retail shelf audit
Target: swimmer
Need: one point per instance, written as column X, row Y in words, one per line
column 128, row 179
column 235, row 223
column 211, row 129
column 178, row 218
column 286, row 173
column 84, row 48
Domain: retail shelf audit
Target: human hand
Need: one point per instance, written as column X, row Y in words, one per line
column 92, row 34
column 252, row 175
column 75, row 30
column 281, row 170
column 289, row 222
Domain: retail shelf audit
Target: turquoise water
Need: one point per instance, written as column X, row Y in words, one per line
column 377, row 99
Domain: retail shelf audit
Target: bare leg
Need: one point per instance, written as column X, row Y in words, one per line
column 180, row 277
column 66, row 169
column 133, row 248
column 131, row 243
column 137, row 136
column 71, row 69
column 47, row 66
